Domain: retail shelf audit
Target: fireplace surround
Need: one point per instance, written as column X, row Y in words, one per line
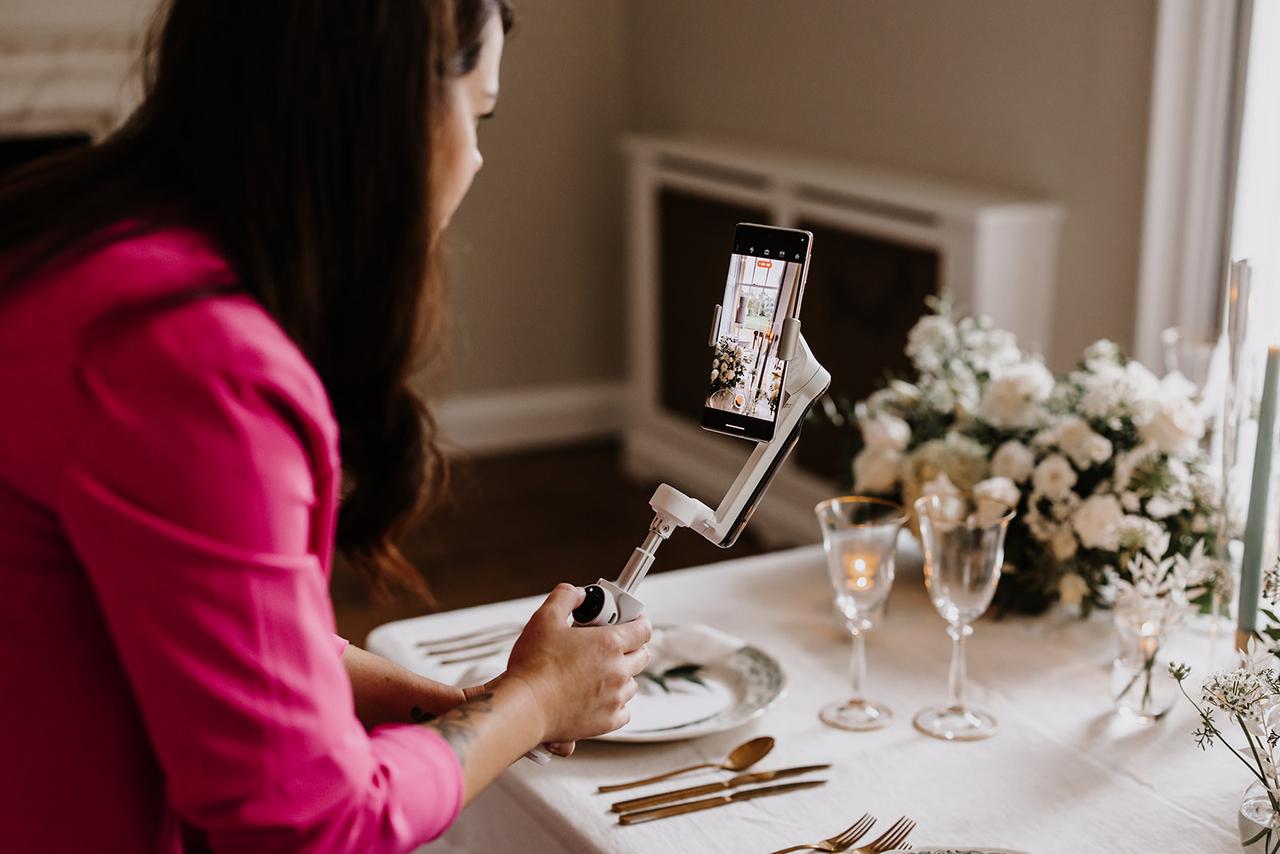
column 883, row 241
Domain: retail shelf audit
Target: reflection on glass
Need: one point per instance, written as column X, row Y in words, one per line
column 860, row 536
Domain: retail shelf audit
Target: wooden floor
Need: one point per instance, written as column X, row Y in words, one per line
column 516, row 525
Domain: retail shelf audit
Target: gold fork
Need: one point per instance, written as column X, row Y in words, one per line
column 890, row 839
column 841, row 840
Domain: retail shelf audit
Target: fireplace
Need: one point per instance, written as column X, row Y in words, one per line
column 883, row 242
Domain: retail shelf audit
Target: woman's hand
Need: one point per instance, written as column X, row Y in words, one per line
column 581, row 677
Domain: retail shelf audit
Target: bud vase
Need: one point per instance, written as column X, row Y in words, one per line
column 1259, row 821
column 1140, row 682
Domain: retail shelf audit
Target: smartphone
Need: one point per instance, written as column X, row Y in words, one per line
column 767, row 271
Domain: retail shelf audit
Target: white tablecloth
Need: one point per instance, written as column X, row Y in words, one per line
column 1062, row 775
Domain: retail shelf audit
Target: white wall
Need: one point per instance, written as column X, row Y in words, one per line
column 54, row 18
column 1044, row 96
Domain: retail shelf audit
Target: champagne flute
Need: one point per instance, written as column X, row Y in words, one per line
column 963, row 539
column 860, row 536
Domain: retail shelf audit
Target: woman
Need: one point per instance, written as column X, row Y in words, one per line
column 207, row 325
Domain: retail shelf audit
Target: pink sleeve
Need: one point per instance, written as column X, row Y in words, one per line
column 189, row 495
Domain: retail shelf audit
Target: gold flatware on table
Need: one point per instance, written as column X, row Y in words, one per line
column 498, row 631
column 711, row 803
column 842, row 841
column 890, row 839
column 708, row 788
column 740, row 758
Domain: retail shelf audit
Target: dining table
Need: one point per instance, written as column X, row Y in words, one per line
column 1064, row 773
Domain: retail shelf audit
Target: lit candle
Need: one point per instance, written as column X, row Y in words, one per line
column 1256, row 526
column 860, row 570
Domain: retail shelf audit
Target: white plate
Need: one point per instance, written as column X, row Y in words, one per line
column 738, row 689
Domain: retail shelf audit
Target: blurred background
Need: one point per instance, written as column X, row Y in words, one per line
column 1078, row 169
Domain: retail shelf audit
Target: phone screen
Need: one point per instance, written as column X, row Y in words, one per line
column 762, row 288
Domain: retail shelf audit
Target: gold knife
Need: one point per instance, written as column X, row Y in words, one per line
column 712, row 803
column 708, row 788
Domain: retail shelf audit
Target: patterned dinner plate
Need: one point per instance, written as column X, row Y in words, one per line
column 728, row 694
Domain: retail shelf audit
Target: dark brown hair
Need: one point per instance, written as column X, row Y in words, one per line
column 296, row 134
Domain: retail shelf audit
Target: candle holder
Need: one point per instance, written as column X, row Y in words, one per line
column 860, row 536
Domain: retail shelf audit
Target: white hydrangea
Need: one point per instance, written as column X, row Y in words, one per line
column 1014, row 397
column 929, row 342
column 1097, row 522
column 1054, row 477
column 1013, row 460
column 875, row 470
column 1102, row 391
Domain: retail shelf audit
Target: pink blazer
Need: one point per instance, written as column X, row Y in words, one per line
column 168, row 490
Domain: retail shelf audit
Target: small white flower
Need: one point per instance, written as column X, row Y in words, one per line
column 1072, row 589
column 1054, row 477
column 1000, row 489
column 1013, row 397
column 883, row 431
column 875, row 470
column 1131, row 502
column 1139, row 532
column 1102, row 352
column 1097, row 522
column 1238, row 692
column 1064, row 545
column 1013, row 460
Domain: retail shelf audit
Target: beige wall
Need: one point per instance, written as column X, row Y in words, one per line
column 1045, row 96
column 536, row 271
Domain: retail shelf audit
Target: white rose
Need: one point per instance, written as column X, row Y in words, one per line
column 884, row 432
column 929, row 340
column 1012, row 399
column 1063, row 544
column 1077, row 439
column 875, row 470
column 1014, row 461
column 940, row 485
column 1000, row 489
column 1072, row 589
column 1054, row 477
column 1172, row 425
column 1164, row 506
column 1097, row 522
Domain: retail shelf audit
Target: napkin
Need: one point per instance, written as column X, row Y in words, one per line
column 694, row 643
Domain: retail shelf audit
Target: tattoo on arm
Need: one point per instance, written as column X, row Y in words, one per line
column 457, row 726
column 420, row 717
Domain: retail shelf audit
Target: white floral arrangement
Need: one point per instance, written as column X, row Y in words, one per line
column 1100, row 463
column 728, row 365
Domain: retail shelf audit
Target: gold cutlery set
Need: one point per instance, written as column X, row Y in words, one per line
column 742, row 757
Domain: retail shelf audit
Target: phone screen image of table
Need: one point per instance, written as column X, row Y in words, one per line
column 759, row 293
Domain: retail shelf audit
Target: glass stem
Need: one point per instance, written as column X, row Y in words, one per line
column 956, row 683
column 858, row 666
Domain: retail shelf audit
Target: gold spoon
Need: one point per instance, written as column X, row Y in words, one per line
column 740, row 758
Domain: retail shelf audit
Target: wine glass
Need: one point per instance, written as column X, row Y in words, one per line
column 860, row 536
column 963, row 539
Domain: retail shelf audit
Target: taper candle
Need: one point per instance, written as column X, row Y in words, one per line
column 1255, row 532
